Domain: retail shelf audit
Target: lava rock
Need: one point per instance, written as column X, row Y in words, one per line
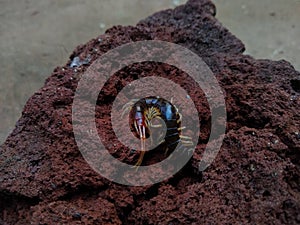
column 255, row 178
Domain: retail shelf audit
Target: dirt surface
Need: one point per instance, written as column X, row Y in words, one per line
column 254, row 179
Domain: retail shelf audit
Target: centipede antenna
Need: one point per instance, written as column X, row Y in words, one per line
column 124, row 111
column 128, row 106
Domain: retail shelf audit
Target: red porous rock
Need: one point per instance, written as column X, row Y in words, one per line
column 255, row 178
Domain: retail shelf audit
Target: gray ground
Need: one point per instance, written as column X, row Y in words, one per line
column 36, row 36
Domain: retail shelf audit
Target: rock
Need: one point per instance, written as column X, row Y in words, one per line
column 254, row 179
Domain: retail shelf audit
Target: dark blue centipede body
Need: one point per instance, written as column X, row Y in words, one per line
column 146, row 109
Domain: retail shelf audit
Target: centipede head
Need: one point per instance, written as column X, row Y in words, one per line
column 140, row 128
column 138, row 123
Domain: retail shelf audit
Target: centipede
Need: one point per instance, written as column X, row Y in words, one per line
column 141, row 116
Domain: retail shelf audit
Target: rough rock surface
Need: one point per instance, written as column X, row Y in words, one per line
column 255, row 178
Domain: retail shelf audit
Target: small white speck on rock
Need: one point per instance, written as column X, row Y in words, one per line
column 293, row 98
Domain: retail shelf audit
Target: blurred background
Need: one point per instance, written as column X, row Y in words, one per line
column 36, row 36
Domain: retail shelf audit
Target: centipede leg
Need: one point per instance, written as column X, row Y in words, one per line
column 181, row 128
column 157, row 116
column 185, row 137
column 180, row 118
column 156, row 126
column 186, row 140
column 175, row 142
column 166, row 152
column 187, row 143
